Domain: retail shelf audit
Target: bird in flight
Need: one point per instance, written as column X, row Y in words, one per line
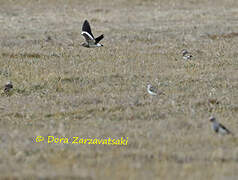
column 91, row 42
column 151, row 90
column 186, row 55
column 219, row 128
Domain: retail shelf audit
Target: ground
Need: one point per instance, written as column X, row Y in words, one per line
column 62, row 89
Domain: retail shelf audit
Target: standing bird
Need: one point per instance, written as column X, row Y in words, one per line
column 151, row 90
column 8, row 86
column 186, row 55
column 219, row 128
column 91, row 42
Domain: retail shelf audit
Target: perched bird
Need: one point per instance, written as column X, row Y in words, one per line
column 8, row 86
column 219, row 128
column 186, row 55
column 151, row 90
column 91, row 42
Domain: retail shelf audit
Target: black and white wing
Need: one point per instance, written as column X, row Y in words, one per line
column 87, row 33
column 86, row 27
column 99, row 38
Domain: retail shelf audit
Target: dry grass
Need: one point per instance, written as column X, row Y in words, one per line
column 62, row 89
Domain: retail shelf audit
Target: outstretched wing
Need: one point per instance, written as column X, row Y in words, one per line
column 86, row 28
column 99, row 38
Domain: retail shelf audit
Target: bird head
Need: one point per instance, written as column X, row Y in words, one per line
column 212, row 119
column 99, row 45
column 9, row 84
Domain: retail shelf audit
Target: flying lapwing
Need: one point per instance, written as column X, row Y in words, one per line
column 91, row 42
column 219, row 128
column 186, row 55
column 151, row 90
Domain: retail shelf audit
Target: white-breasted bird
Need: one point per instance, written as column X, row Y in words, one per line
column 8, row 86
column 151, row 90
column 219, row 128
column 186, row 55
column 91, row 42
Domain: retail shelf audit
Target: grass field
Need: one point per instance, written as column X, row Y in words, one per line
column 62, row 89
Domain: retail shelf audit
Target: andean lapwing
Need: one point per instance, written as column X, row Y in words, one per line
column 151, row 90
column 8, row 87
column 186, row 55
column 219, row 128
column 91, row 42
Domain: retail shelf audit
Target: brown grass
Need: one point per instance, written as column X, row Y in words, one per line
column 62, row 89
